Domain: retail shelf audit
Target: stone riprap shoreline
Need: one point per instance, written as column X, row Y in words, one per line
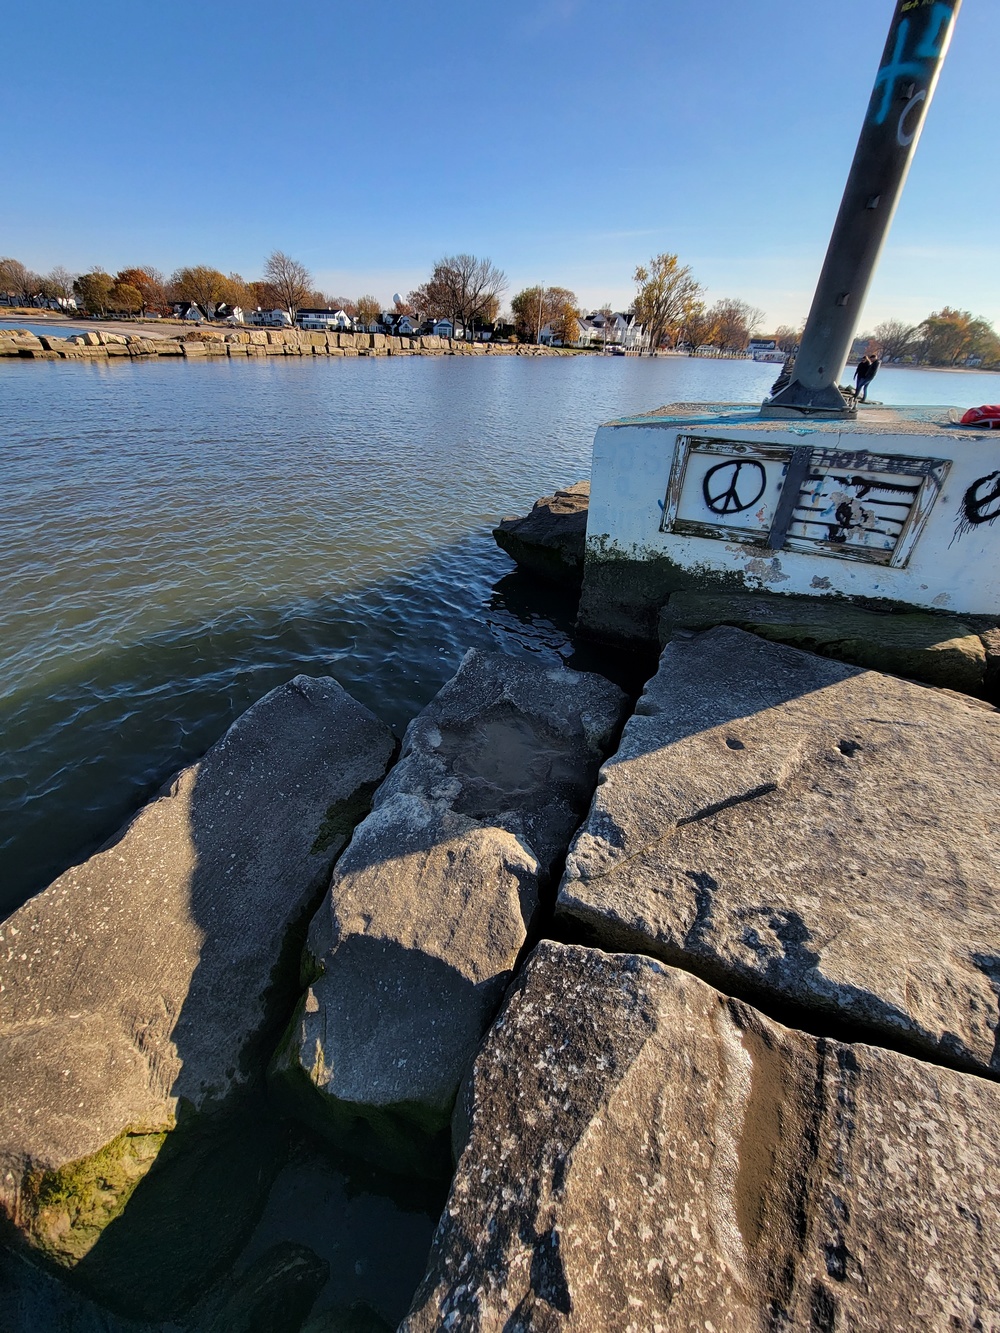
column 99, row 344
column 702, row 996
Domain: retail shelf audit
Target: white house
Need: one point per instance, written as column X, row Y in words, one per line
column 598, row 330
column 268, row 319
column 400, row 324
column 314, row 318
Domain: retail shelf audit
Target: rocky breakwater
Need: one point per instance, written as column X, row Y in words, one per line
column 431, row 904
column 550, row 540
column 199, row 343
column 774, row 1104
column 643, row 1152
column 820, row 839
column 141, row 995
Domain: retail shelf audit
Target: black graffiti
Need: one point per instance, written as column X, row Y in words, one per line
column 727, row 486
column 866, row 485
column 981, row 502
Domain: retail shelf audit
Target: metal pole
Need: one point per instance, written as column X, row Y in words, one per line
column 914, row 52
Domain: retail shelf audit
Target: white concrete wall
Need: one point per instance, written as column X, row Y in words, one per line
column 951, row 561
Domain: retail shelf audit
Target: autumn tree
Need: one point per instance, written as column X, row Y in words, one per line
column 699, row 326
column 125, row 298
column 93, row 290
column 735, row 323
column 205, row 286
column 148, row 282
column 461, row 288
column 264, row 295
column 239, row 292
column 536, row 308
column 666, row 290
column 369, row 310
column 290, row 279
column 949, row 337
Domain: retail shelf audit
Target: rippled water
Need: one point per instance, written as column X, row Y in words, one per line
column 176, row 539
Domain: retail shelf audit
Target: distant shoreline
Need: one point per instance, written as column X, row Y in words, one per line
column 168, row 329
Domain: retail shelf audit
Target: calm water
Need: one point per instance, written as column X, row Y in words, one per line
column 177, row 539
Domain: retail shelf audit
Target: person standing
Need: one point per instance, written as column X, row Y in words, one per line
column 864, row 374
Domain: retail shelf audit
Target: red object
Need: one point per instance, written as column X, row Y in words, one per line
column 983, row 416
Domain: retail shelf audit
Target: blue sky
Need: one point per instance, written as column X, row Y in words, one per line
column 567, row 140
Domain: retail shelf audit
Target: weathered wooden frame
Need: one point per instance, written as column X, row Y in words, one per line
column 798, row 460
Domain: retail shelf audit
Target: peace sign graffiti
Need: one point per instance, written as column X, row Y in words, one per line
column 729, row 488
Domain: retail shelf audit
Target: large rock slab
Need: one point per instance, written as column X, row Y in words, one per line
column 550, row 540
column 645, row 1153
column 805, row 833
column 433, row 900
column 940, row 650
column 149, row 984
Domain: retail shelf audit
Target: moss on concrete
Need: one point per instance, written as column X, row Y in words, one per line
column 937, row 649
column 622, row 594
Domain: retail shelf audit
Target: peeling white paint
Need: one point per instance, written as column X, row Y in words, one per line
column 902, row 504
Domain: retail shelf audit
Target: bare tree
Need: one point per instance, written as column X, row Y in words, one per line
column 607, row 317
column 735, row 323
column 894, row 338
column 463, row 288
column 290, row 279
column 16, row 280
column 788, row 338
column 58, row 284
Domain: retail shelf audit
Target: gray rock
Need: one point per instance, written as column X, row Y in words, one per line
column 34, row 1301
column 645, row 1153
column 990, row 637
column 276, row 1293
column 550, row 540
column 937, row 649
column 432, row 902
column 798, row 830
column 148, row 984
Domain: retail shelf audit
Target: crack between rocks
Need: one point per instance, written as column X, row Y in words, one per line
column 798, row 1017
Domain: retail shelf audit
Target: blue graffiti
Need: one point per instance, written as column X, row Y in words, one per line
column 929, row 46
column 898, row 68
column 934, row 37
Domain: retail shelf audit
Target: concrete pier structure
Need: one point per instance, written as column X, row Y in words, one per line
column 896, row 507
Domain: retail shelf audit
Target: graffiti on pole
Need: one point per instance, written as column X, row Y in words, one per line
column 920, row 40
